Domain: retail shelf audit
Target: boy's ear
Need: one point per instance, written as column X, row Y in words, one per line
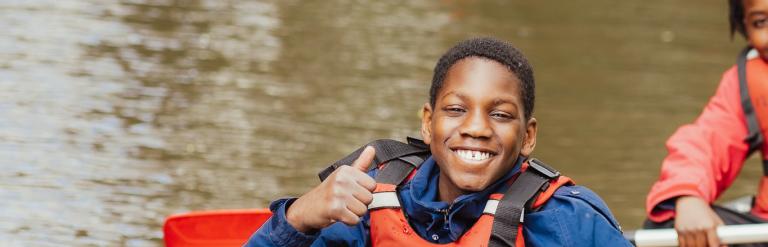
column 529, row 141
column 426, row 123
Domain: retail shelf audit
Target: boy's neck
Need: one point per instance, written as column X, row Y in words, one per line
column 447, row 191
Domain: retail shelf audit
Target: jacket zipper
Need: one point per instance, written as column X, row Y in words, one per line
column 445, row 213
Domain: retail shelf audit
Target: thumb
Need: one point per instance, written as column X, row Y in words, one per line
column 363, row 162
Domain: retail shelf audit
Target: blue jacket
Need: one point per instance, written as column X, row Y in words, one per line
column 574, row 216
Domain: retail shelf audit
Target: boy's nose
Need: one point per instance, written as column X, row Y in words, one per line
column 476, row 125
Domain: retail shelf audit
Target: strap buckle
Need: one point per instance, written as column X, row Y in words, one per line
column 543, row 169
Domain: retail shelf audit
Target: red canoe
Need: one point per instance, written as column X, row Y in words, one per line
column 213, row 228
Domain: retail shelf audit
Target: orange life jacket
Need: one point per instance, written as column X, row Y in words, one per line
column 753, row 81
column 389, row 227
column 500, row 224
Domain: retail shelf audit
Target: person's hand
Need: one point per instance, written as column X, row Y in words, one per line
column 696, row 223
column 343, row 196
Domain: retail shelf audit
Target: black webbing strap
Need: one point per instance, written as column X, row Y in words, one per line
column 386, row 150
column 765, row 168
column 755, row 137
column 517, row 199
column 397, row 170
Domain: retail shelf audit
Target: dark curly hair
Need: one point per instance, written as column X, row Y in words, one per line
column 495, row 50
column 736, row 17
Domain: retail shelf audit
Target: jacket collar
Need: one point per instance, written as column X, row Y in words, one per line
column 422, row 205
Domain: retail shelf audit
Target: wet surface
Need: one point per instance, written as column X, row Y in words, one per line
column 116, row 114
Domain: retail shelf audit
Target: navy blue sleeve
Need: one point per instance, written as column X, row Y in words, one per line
column 340, row 234
column 574, row 216
column 277, row 231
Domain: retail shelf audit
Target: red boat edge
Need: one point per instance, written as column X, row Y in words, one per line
column 230, row 227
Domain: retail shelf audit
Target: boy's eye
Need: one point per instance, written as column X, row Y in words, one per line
column 501, row 115
column 454, row 110
column 759, row 23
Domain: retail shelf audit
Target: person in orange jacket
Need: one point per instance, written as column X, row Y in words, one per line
column 706, row 156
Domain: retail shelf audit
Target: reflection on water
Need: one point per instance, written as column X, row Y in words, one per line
column 116, row 114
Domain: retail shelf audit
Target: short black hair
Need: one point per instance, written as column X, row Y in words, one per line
column 736, row 17
column 496, row 50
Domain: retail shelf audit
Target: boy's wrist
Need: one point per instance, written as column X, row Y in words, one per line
column 282, row 232
column 295, row 218
column 291, row 218
column 690, row 202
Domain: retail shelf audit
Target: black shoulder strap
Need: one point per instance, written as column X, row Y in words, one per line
column 755, row 137
column 516, row 199
column 397, row 170
column 401, row 157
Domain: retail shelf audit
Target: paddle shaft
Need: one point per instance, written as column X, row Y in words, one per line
column 732, row 234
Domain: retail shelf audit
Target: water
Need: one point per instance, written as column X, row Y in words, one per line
column 116, row 114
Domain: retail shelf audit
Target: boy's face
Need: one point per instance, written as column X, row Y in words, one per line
column 477, row 128
column 756, row 25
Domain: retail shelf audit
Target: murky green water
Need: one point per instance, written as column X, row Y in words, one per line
column 114, row 114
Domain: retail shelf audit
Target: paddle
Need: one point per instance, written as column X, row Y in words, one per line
column 213, row 228
column 732, row 234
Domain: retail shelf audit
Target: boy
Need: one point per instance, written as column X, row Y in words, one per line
column 479, row 129
column 706, row 156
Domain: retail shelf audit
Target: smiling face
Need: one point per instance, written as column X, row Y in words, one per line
column 756, row 25
column 477, row 128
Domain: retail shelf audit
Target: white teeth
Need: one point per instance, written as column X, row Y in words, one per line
column 473, row 155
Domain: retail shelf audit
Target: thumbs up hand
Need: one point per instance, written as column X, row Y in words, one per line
column 343, row 196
